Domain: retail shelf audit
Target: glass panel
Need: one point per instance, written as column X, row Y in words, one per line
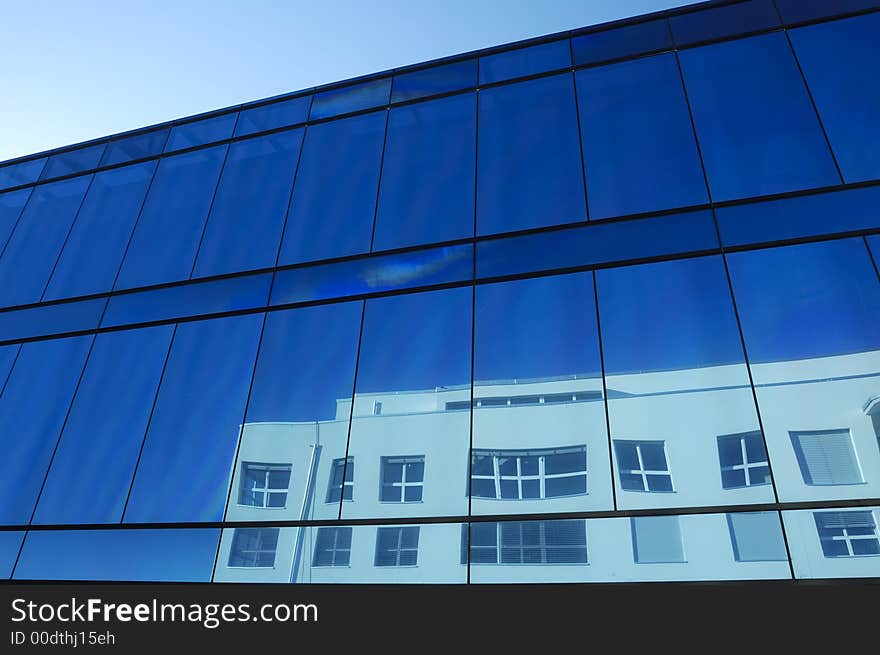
column 599, row 243
column 91, row 256
column 415, row 356
column 374, row 274
column 135, row 147
column 35, row 401
column 794, row 11
column 11, row 205
column 639, row 148
column 837, row 57
column 214, row 296
column 21, row 173
column 256, row 183
column 427, row 189
column 33, row 248
column 719, row 22
column 514, row 357
column 621, row 42
column 824, row 213
column 335, row 186
column 675, row 375
column 756, row 126
column 45, row 320
column 299, row 407
column 73, row 161
column 525, row 61
column 273, row 115
column 656, row 539
column 809, row 315
column 165, row 241
column 757, row 537
column 526, row 127
column 208, row 130
column 435, row 80
column 839, row 543
column 184, row 470
column 119, row 555
column 10, row 543
column 351, row 98
column 95, row 459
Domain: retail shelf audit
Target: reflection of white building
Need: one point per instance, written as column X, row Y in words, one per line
column 680, row 439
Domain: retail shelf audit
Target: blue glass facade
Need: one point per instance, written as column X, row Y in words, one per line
column 597, row 307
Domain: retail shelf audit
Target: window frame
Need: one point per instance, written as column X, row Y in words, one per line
column 346, row 464
column 543, row 547
column 266, row 490
column 400, row 549
column 541, row 476
column 255, row 551
column 403, row 484
column 335, row 549
column 803, row 462
column 642, row 471
column 845, row 537
column 746, row 465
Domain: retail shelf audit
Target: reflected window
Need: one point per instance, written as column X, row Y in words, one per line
column 643, row 465
column 756, row 537
column 826, row 457
column 341, row 480
column 403, row 479
column 529, row 542
column 254, row 547
column 656, row 540
column 743, row 460
column 264, row 485
column 397, row 546
column 527, row 474
column 847, row 534
column 333, row 547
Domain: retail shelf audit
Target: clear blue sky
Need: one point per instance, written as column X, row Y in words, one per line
column 78, row 70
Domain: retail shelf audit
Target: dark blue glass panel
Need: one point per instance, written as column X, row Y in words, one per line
column 35, row 401
column 196, row 422
column 838, row 58
column 45, row 320
column 804, row 301
column 166, row 238
column 135, row 147
column 530, row 172
column 21, row 173
column 825, row 213
column 7, row 359
column 201, row 132
column 10, row 543
column 794, row 11
column 211, row 297
column 374, row 275
column 621, row 42
column 427, row 189
column 597, row 244
column 525, row 61
column 274, row 115
column 324, row 375
column 74, row 161
column 431, row 81
column 93, row 252
column 720, row 22
column 334, row 197
column 256, row 184
column 11, row 205
column 347, row 99
column 33, row 248
column 119, row 555
column 95, row 459
column 639, row 148
column 756, row 126
column 874, row 244
column 666, row 316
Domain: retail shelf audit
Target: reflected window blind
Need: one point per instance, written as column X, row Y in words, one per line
column 826, row 457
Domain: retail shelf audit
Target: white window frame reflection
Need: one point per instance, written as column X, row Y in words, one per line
column 541, row 476
column 642, row 471
column 844, row 536
column 252, row 554
column 544, row 546
column 404, row 484
column 747, row 465
column 346, row 467
column 334, row 549
column 400, row 549
column 265, row 489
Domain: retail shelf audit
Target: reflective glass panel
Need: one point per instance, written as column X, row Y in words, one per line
column 834, row 543
column 351, row 98
column 794, row 11
column 434, row 80
column 273, row 115
column 135, row 147
column 755, row 123
column 11, row 205
column 718, row 22
column 525, row 61
column 58, row 318
column 22, row 173
column 621, row 42
column 201, row 132
column 528, row 127
column 427, row 188
column 73, row 161
column 10, row 543
column 334, row 197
